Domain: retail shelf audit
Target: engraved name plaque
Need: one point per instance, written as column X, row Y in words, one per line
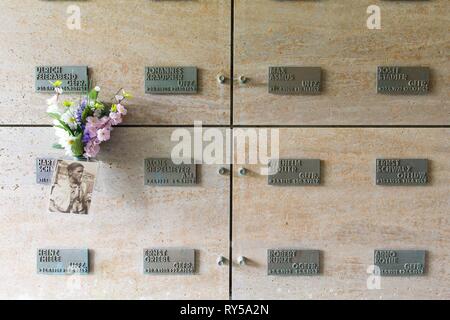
column 400, row 262
column 171, row 80
column 293, row 262
column 163, row 172
column 295, row 80
column 294, row 172
column 74, row 78
column 399, row 172
column 169, row 261
column 403, row 80
column 62, row 261
column 44, row 170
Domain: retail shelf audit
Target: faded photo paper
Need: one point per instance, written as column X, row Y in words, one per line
column 72, row 187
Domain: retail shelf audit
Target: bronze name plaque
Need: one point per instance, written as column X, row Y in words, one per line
column 293, row 262
column 399, row 172
column 294, row 172
column 295, row 80
column 171, row 80
column 403, row 80
column 400, row 263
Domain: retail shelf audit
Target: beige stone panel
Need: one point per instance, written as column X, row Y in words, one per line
column 333, row 35
column 117, row 40
column 347, row 217
column 125, row 218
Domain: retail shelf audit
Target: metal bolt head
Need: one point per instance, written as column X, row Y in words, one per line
column 243, row 79
column 220, row 261
column 221, row 78
column 243, row 171
column 242, row 260
column 223, row 171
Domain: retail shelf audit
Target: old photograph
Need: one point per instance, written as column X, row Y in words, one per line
column 72, row 187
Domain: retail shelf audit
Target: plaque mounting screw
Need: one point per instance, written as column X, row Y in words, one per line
column 243, row 172
column 223, row 171
column 221, row 78
column 243, row 79
column 221, row 260
column 242, row 260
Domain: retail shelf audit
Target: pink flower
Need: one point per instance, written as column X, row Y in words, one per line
column 104, row 134
column 121, row 109
column 91, row 149
column 116, row 118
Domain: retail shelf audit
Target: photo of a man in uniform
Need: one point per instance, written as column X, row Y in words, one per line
column 72, row 188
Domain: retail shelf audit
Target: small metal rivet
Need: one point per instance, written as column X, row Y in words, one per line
column 221, row 78
column 220, row 261
column 243, row 79
column 242, row 260
column 243, row 171
column 223, row 171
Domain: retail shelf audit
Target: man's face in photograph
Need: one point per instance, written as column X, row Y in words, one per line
column 77, row 174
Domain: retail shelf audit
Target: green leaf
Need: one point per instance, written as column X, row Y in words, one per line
column 86, row 113
column 57, row 146
column 65, row 127
column 93, row 95
column 54, row 115
column 77, row 146
column 114, row 108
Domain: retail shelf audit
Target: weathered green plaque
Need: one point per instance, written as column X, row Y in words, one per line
column 398, row 172
column 293, row 262
column 400, row 262
column 403, row 80
column 295, row 80
column 294, row 172
column 169, row 261
column 74, row 78
column 171, row 80
column 62, row 261
column 163, row 172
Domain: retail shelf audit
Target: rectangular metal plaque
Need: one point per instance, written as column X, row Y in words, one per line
column 398, row 172
column 62, row 261
column 293, row 262
column 403, row 80
column 400, row 262
column 163, row 172
column 44, row 170
column 169, row 261
column 74, row 78
column 171, row 80
column 295, row 80
column 294, row 172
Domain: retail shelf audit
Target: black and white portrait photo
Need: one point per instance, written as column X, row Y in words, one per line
column 72, row 187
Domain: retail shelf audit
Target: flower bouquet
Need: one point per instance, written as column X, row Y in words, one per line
column 82, row 127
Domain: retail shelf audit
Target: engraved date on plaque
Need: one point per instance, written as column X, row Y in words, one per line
column 171, row 80
column 62, row 261
column 400, row 262
column 74, row 78
column 293, row 262
column 294, row 172
column 403, row 80
column 399, row 172
column 163, row 172
column 44, row 170
column 169, row 261
column 295, row 80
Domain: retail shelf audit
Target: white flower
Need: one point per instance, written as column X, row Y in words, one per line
column 97, row 88
column 54, row 108
column 119, row 98
column 65, row 140
column 58, row 90
column 69, row 118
